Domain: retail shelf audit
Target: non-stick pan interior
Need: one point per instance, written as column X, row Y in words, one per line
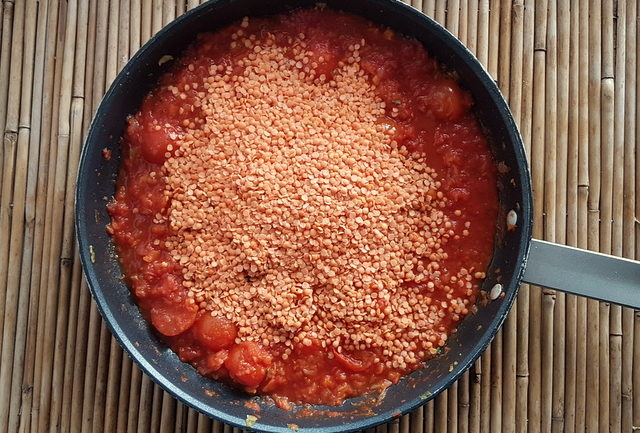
column 96, row 180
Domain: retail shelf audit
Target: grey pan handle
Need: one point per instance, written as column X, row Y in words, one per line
column 584, row 273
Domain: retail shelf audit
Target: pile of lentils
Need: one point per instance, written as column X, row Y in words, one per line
column 297, row 216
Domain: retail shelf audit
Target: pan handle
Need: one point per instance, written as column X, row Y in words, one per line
column 585, row 273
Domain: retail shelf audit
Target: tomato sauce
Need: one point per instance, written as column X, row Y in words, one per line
column 429, row 113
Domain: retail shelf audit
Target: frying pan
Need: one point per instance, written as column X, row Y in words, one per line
column 516, row 257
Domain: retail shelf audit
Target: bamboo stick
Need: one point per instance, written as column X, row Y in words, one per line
column 111, row 66
column 123, row 34
column 101, row 383
column 90, row 381
column 192, row 421
column 82, row 386
column 4, row 43
column 538, row 178
column 485, row 390
column 207, row 425
column 404, row 424
column 607, row 120
column 563, row 17
column 636, row 322
column 495, row 409
column 98, row 337
column 593, row 313
column 463, row 403
column 192, row 4
column 429, row 417
column 123, row 393
column 502, row 41
column 100, row 53
column 146, row 400
column 168, row 413
column 573, row 144
column 70, row 392
column 472, row 31
column 440, row 12
column 16, row 135
column 135, row 397
column 629, row 240
column 582, row 214
column 1, row 23
column 463, row 21
column 168, row 11
column 440, row 408
column 416, row 417
column 89, row 77
column 550, row 162
column 452, row 408
column 548, row 304
column 636, row 343
column 558, row 405
column 482, row 49
column 181, row 7
column 156, row 17
column 522, row 366
column 475, row 397
column 156, row 408
column 494, row 37
column 134, row 26
column 617, row 194
column 5, row 57
column 606, row 200
column 9, row 138
column 511, row 325
column 181, row 418
column 114, row 372
column 145, row 21
column 453, row 16
column 549, row 358
column 510, row 73
column 392, row 426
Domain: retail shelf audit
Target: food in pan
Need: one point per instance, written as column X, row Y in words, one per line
column 306, row 206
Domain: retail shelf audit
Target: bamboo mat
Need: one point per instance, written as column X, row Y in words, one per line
column 561, row 363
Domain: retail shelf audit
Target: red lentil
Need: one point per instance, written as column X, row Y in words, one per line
column 297, row 215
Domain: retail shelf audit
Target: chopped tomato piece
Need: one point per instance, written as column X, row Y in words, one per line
column 215, row 333
column 172, row 318
column 354, row 363
column 248, row 363
column 216, row 360
column 448, row 101
column 152, row 136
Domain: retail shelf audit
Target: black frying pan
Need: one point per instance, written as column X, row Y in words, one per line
column 551, row 263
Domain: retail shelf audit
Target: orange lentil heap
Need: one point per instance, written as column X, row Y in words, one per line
column 295, row 214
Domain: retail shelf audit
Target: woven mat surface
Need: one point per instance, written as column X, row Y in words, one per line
column 569, row 72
